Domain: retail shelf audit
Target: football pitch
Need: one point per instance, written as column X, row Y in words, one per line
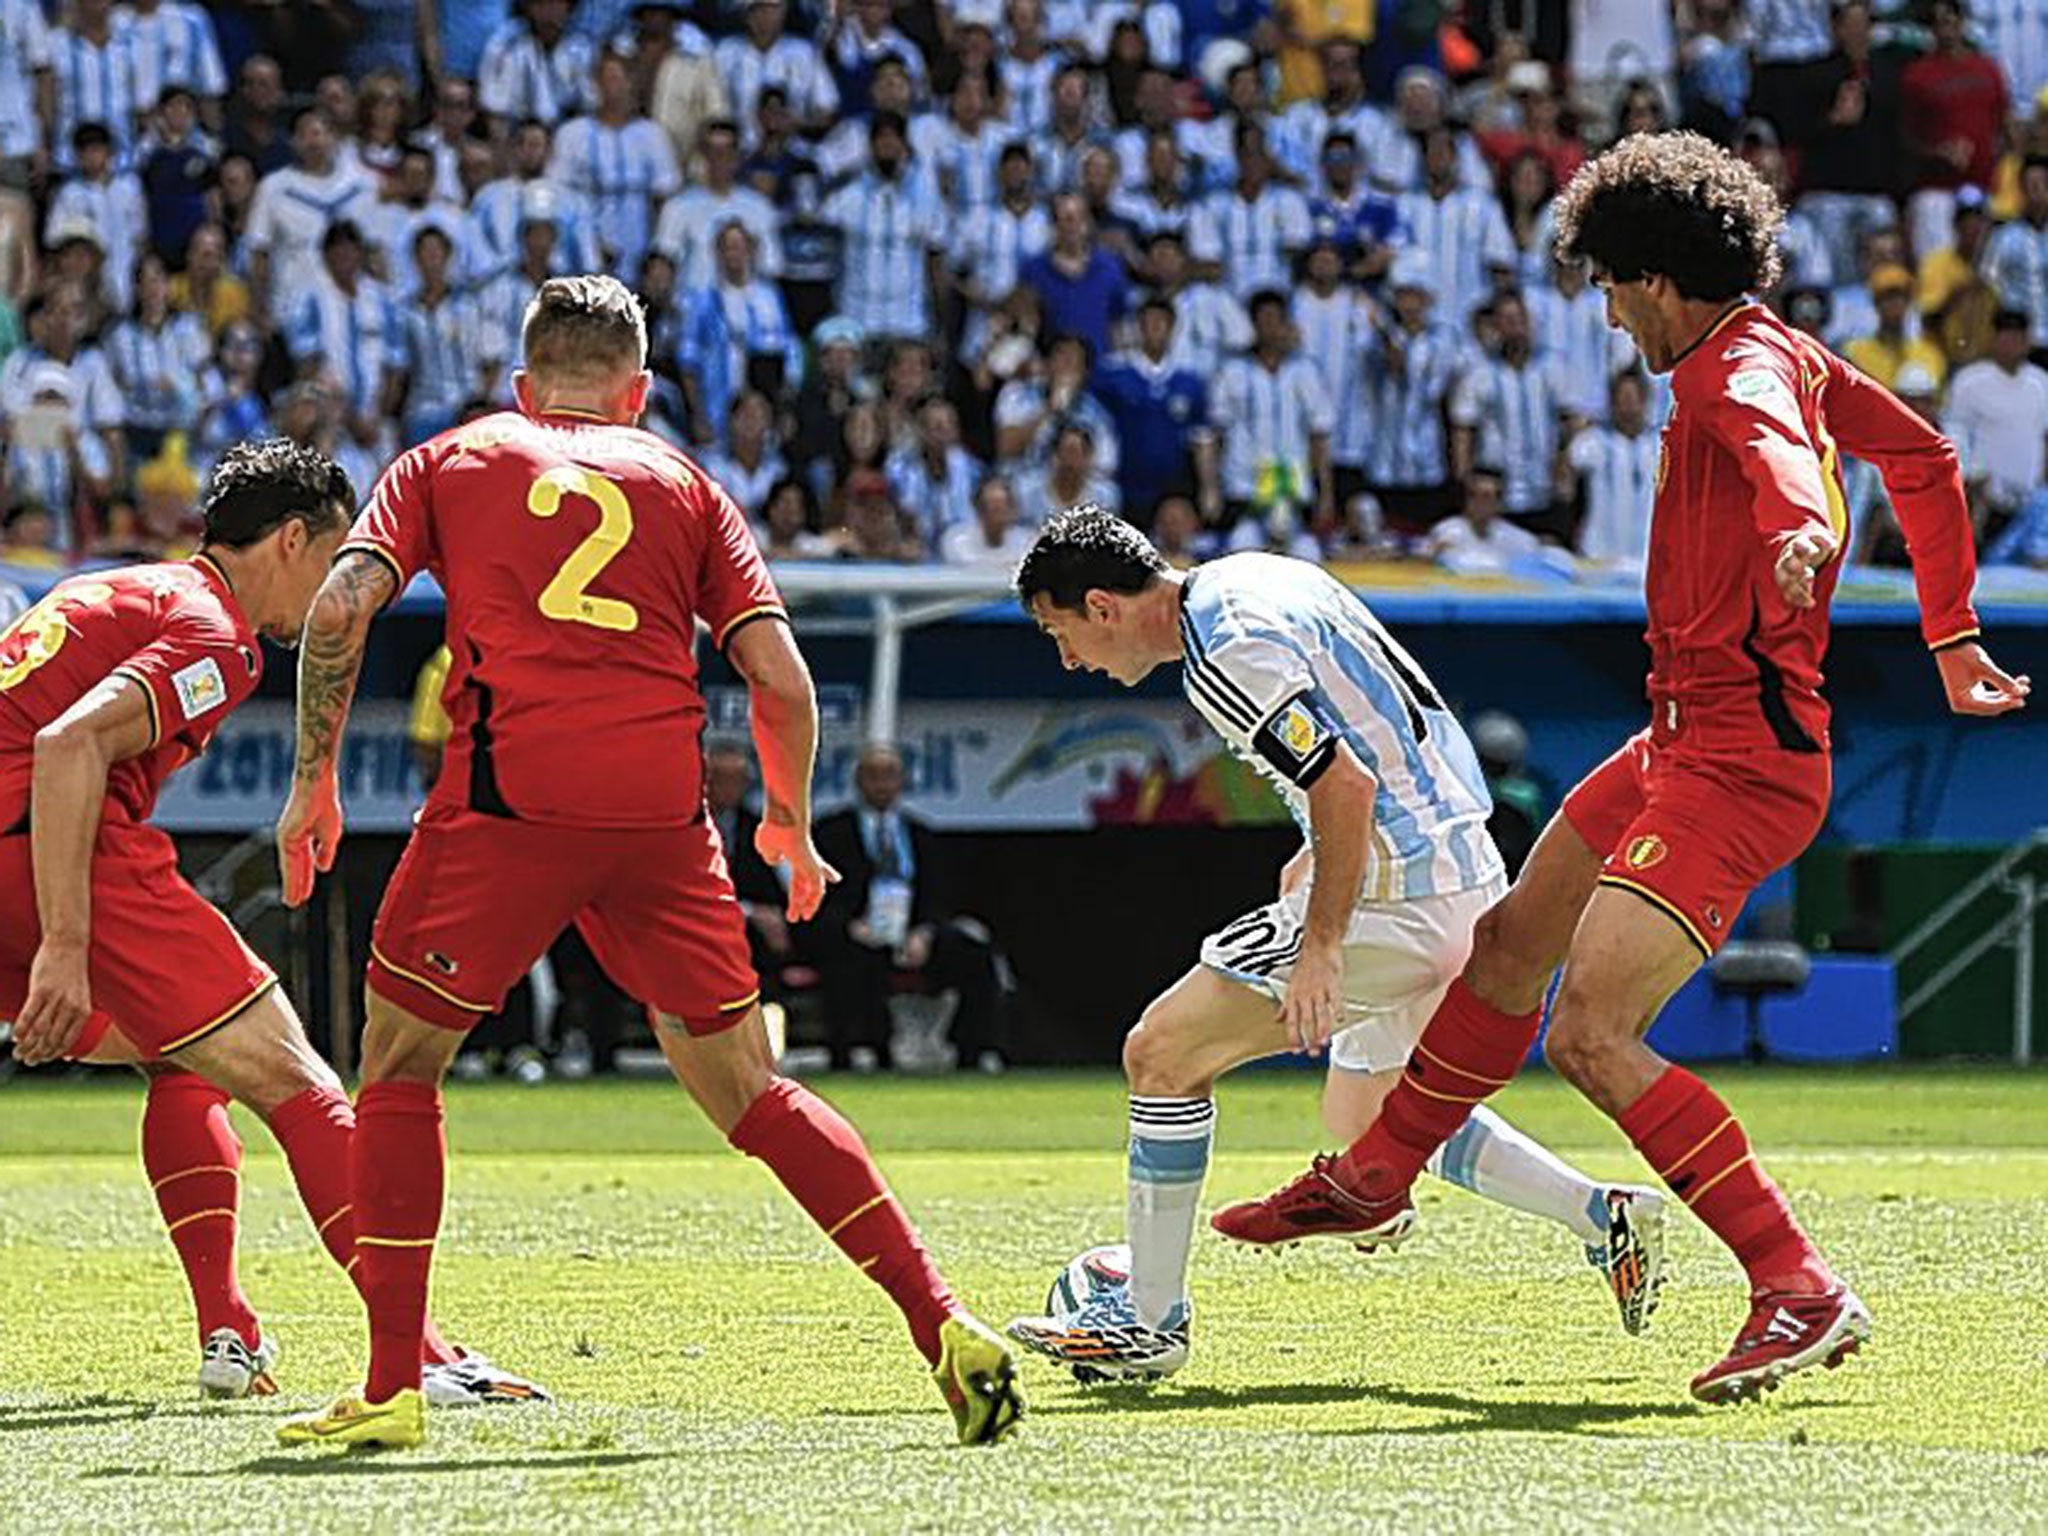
column 717, row 1366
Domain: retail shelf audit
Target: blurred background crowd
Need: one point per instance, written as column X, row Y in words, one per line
column 1258, row 273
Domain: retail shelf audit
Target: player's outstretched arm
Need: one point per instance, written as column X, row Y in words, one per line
column 1340, row 810
column 330, row 657
column 785, row 718
column 73, row 754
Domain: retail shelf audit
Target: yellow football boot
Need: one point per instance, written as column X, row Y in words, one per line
column 978, row 1379
column 398, row 1425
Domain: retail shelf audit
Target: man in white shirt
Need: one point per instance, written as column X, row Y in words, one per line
column 293, row 209
column 1617, row 466
column 1250, row 234
column 1275, row 418
column 622, row 162
column 993, row 540
column 28, row 96
column 1480, row 541
column 1460, row 228
column 108, row 204
column 1998, row 416
column 534, row 67
column 691, row 220
column 894, row 236
column 765, row 55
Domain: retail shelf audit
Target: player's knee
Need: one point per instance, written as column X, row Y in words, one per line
column 1577, row 1047
column 1510, row 954
column 1154, row 1062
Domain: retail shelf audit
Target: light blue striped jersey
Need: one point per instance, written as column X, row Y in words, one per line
column 1287, row 663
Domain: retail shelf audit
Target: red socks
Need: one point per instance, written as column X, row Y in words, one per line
column 1698, row 1148
column 397, row 1168
column 1468, row 1050
column 315, row 1130
column 822, row 1161
column 194, row 1159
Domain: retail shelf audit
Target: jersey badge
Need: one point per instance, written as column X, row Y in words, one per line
column 1298, row 740
column 1645, row 852
column 200, row 687
column 1753, row 386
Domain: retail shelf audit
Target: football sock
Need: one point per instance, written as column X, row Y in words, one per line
column 1168, row 1160
column 823, row 1163
column 1491, row 1158
column 1468, row 1050
column 194, row 1158
column 397, row 1171
column 1699, row 1149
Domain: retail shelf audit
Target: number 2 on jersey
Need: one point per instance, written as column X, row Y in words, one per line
column 566, row 597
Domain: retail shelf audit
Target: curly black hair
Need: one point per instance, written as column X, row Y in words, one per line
column 1082, row 550
column 258, row 486
column 1674, row 204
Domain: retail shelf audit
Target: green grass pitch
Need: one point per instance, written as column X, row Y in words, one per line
column 718, row 1367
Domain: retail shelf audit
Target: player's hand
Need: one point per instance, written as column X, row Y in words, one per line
column 782, row 843
column 1975, row 685
column 59, row 1002
column 1800, row 558
column 1315, row 997
column 308, row 834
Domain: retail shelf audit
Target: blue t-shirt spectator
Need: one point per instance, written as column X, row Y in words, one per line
column 1159, row 410
column 1086, row 304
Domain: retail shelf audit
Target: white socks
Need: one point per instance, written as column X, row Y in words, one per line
column 1169, row 1159
column 1491, row 1158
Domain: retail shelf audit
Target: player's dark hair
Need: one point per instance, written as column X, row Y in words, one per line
column 584, row 327
column 262, row 485
column 1086, row 549
column 1676, row 205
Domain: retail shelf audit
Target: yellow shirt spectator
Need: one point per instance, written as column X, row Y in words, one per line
column 1305, row 25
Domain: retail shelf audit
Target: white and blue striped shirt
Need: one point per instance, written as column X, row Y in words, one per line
column 495, row 213
column 1267, row 416
column 1796, row 31
column 1514, row 410
column 2015, row 262
column 1408, row 408
column 119, row 216
column 1028, row 83
column 1288, row 664
column 1297, row 135
column 889, row 228
column 1582, row 351
column 1336, row 332
column 993, row 245
column 1210, row 326
column 790, row 63
column 355, row 337
column 2015, row 33
column 1620, row 475
column 964, row 165
column 1464, row 235
column 24, row 53
column 159, row 370
column 520, row 77
column 722, row 327
column 1255, row 241
column 934, row 502
column 1397, row 163
column 174, row 44
column 96, row 83
column 439, row 347
column 687, row 232
column 624, row 171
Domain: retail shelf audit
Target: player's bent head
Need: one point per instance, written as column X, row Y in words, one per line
column 1088, row 582
column 259, row 487
column 585, row 343
column 1675, row 206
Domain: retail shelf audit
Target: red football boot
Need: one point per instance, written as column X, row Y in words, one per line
column 1316, row 1205
column 1786, row 1332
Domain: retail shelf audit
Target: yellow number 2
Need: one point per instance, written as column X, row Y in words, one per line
column 566, row 598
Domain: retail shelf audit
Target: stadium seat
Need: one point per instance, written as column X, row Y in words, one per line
column 1753, row 971
column 1846, row 1012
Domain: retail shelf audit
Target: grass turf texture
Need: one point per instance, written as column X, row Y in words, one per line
column 718, row 1367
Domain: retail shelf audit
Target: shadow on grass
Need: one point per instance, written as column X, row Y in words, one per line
column 1133, row 1397
column 75, row 1413
column 376, row 1463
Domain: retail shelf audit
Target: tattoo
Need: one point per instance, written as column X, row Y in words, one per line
column 331, row 654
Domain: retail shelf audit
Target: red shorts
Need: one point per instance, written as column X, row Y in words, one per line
column 1694, row 831
column 167, row 969
column 477, row 899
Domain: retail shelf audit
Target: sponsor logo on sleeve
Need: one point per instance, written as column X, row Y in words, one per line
column 1756, row 386
column 200, row 687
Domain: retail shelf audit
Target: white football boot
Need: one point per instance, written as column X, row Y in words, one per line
column 1105, row 1341
column 1633, row 1260
column 473, row 1381
column 230, row 1368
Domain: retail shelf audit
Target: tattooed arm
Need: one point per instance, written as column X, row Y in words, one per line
column 330, row 656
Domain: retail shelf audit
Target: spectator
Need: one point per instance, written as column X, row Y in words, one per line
column 157, row 354
column 875, row 528
column 934, row 480
column 691, row 220
column 456, row 138
column 28, row 542
column 1481, row 541
column 728, row 783
column 750, row 465
column 1505, row 416
column 1305, row 128
column 394, row 226
column 177, row 165
column 2016, row 257
column 1998, row 416
column 1158, row 197
column 534, row 68
column 765, row 55
column 1852, row 311
column 891, row 920
column 1955, row 302
column 779, row 165
column 1209, row 323
column 206, row 287
column 995, row 242
column 830, row 391
column 1030, row 411
column 294, row 208
column 993, row 540
column 1890, row 347
column 439, row 346
column 1400, row 153
column 1249, row 236
column 847, row 150
column 1953, row 106
column 1364, row 224
column 1070, row 131
column 1408, row 376
column 1545, row 131
column 1082, row 289
column 894, row 233
column 1616, row 465
column 676, row 75
column 1071, row 476
column 109, row 203
column 622, row 162
column 1178, row 534
column 1527, row 194
column 1275, row 419
column 1459, row 228
column 62, row 414
column 495, row 212
column 787, row 529
column 1029, row 65
column 736, row 335
column 1713, row 80
column 858, row 37
column 27, row 93
column 380, row 131
column 962, row 146
column 1569, row 330
column 1849, row 130
column 232, row 407
column 258, row 127
column 1161, row 411
column 1158, row 116
column 93, row 62
column 342, row 330
column 1334, row 323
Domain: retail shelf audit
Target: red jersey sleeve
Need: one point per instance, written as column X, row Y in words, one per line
column 193, row 674
column 1926, row 487
column 396, row 527
column 1753, row 410
column 733, row 584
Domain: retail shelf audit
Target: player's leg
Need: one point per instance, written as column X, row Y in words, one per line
column 1479, row 1034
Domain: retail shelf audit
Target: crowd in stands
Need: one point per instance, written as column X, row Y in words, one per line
column 1258, row 273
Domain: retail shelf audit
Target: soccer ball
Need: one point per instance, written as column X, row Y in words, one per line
column 1088, row 1275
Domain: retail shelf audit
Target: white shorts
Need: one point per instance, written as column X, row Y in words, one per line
column 1400, row 957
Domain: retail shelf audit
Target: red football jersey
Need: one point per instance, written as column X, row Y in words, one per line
column 577, row 557
column 176, row 629
column 1761, row 416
